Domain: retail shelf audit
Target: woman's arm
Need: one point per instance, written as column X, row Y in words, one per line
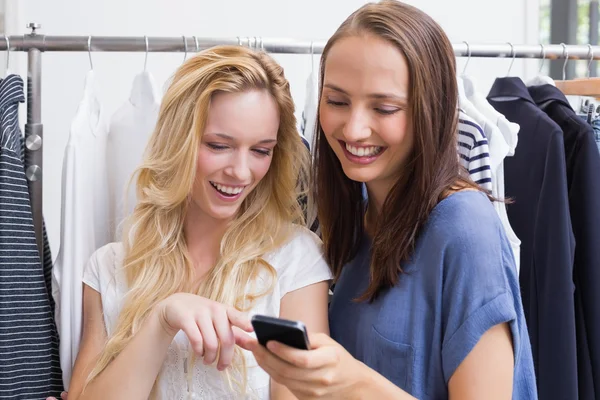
column 92, row 341
column 309, row 305
column 132, row 373
column 487, row 371
column 329, row 371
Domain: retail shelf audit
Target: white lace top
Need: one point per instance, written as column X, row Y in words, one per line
column 298, row 264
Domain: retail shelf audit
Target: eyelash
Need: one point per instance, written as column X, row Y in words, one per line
column 218, row 147
column 378, row 110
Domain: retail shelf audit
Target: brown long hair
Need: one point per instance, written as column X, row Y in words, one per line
column 432, row 168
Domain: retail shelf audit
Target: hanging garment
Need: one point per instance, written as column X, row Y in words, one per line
column 502, row 139
column 47, row 253
column 596, row 126
column 309, row 115
column 29, row 357
column 84, row 226
column 536, row 180
column 473, row 151
column 583, row 165
column 130, row 128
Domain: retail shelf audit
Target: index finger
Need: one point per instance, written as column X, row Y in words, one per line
column 239, row 319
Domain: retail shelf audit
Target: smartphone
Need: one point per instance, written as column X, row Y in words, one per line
column 290, row 333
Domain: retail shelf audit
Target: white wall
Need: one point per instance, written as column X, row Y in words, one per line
column 475, row 21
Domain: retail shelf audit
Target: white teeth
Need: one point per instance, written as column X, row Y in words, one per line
column 227, row 189
column 363, row 151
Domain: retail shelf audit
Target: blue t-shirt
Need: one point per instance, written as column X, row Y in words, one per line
column 460, row 282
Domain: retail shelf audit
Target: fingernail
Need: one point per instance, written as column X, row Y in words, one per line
column 272, row 346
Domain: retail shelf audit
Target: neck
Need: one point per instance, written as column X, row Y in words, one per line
column 377, row 194
column 203, row 236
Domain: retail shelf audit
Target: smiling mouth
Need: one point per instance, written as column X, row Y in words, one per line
column 363, row 151
column 228, row 191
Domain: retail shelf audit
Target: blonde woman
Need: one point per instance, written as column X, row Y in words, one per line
column 215, row 236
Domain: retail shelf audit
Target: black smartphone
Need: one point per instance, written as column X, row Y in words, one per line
column 290, row 333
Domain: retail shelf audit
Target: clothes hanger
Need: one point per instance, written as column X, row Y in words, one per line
column 143, row 88
column 7, row 55
column 509, row 130
column 185, row 49
column 90, row 53
column 581, row 86
column 312, row 58
column 147, row 50
column 541, row 79
column 514, row 55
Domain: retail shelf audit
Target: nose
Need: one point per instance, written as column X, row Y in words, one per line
column 357, row 127
column 239, row 167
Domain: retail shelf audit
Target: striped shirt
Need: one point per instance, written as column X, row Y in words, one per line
column 474, row 151
column 47, row 253
column 29, row 361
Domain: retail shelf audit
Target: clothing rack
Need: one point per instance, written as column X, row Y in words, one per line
column 35, row 44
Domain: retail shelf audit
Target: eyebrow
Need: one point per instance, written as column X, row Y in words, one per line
column 227, row 137
column 372, row 95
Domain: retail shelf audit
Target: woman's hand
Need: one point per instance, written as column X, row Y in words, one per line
column 209, row 326
column 327, row 371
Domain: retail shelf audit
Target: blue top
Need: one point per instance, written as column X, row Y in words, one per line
column 460, row 282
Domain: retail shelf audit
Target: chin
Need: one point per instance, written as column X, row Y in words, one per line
column 224, row 214
column 360, row 174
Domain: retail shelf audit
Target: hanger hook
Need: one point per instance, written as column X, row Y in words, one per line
column 7, row 53
column 566, row 56
column 90, row 52
column 514, row 54
column 147, row 50
column 591, row 53
column 184, row 48
column 262, row 44
column 239, row 41
column 543, row 58
column 196, row 43
column 312, row 57
column 468, row 56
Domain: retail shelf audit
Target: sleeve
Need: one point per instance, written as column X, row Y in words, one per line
column 473, row 145
column 91, row 273
column 302, row 263
column 552, row 316
column 476, row 293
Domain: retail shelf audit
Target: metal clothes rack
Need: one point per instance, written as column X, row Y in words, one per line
column 35, row 44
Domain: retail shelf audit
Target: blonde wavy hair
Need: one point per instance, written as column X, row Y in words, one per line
column 157, row 263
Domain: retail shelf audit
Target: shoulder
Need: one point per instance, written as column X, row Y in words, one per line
column 469, row 128
column 303, row 243
column 109, row 254
column 103, row 265
column 469, row 236
column 300, row 261
column 464, row 215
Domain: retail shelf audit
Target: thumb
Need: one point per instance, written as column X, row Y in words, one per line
column 239, row 319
